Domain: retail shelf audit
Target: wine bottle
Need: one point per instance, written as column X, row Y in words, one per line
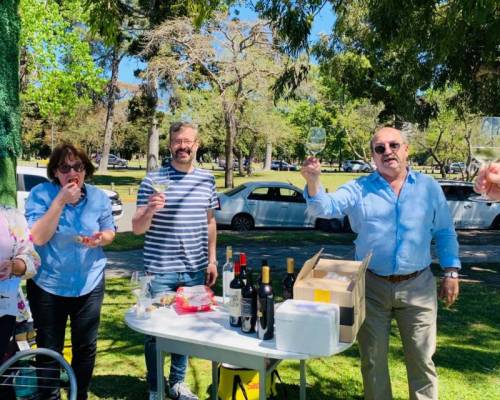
column 243, row 264
column 235, row 297
column 289, row 280
column 265, row 307
column 248, row 306
column 227, row 274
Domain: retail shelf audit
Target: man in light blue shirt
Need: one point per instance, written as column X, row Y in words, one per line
column 396, row 213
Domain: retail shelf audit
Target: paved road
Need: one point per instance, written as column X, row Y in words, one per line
column 122, row 263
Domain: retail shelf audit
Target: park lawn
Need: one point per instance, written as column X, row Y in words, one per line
column 126, row 181
column 467, row 357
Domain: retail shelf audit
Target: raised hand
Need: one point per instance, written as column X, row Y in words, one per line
column 488, row 181
column 69, row 194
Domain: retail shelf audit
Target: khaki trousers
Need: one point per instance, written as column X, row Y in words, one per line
column 413, row 303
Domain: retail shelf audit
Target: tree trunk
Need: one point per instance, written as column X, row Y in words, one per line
column 230, row 123
column 153, row 132
column 10, row 121
column 251, row 156
column 269, row 155
column 112, row 89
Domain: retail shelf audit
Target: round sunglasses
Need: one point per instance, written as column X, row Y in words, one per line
column 380, row 148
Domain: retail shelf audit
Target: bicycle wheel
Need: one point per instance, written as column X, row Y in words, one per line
column 38, row 371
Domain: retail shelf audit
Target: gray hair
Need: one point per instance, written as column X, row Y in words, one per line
column 176, row 127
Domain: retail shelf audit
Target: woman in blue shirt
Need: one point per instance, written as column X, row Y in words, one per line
column 70, row 223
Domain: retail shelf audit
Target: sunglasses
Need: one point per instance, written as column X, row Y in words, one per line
column 380, row 148
column 65, row 168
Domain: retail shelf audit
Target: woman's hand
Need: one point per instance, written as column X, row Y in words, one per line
column 69, row 194
column 5, row 269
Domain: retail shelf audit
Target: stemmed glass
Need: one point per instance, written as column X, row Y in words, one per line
column 485, row 147
column 316, row 140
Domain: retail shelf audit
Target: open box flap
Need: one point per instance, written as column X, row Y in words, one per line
column 309, row 265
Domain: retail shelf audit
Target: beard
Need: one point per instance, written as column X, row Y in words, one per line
column 184, row 156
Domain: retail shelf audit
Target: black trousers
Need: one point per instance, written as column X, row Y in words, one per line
column 7, row 325
column 50, row 314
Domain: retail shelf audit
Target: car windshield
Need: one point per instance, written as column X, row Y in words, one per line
column 235, row 190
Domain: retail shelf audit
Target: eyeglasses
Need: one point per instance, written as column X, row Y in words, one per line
column 178, row 142
column 380, row 148
column 65, row 168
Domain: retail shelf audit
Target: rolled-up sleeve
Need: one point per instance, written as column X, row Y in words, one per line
column 445, row 235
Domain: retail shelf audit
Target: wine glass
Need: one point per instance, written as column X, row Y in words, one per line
column 159, row 182
column 316, row 140
column 485, row 146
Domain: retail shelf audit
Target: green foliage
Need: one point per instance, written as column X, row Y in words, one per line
column 10, row 144
column 60, row 74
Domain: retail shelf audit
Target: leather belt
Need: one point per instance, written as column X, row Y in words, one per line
column 398, row 278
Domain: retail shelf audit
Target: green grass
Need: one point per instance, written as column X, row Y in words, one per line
column 467, row 357
column 128, row 241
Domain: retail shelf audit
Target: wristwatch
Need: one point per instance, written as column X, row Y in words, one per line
column 451, row 274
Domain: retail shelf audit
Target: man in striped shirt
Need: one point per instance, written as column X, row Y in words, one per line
column 175, row 208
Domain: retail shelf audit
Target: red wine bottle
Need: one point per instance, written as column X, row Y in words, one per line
column 265, row 307
column 234, row 296
column 248, row 306
column 243, row 264
column 289, row 280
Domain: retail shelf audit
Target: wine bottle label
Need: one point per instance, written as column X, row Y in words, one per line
column 247, row 307
column 234, row 296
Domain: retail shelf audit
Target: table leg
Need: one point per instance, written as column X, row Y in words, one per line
column 160, row 380
column 302, row 379
column 262, row 382
column 215, row 379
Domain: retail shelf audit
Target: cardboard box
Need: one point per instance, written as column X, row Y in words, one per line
column 335, row 281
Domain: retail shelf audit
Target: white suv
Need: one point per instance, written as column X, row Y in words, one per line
column 28, row 177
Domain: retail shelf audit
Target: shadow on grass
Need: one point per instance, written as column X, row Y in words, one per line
column 124, row 387
column 117, row 180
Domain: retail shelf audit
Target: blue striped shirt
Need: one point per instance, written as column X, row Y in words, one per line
column 397, row 229
column 177, row 240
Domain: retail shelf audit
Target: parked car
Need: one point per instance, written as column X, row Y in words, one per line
column 356, row 166
column 468, row 211
column 113, row 161
column 29, row 177
column 283, row 166
column 269, row 205
column 455, row 168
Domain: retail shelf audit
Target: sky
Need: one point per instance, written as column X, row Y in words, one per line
column 323, row 23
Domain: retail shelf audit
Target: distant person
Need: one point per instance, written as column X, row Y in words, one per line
column 396, row 213
column 70, row 223
column 488, row 181
column 18, row 260
column 181, row 233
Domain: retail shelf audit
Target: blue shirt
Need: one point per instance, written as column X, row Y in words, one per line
column 177, row 240
column 68, row 268
column 397, row 230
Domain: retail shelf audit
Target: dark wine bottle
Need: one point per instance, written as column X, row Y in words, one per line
column 234, row 296
column 248, row 306
column 265, row 307
column 289, row 280
column 243, row 264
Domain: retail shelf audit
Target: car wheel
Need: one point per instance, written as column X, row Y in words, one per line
column 496, row 223
column 329, row 225
column 242, row 222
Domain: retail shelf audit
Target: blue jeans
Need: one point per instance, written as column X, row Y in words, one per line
column 178, row 363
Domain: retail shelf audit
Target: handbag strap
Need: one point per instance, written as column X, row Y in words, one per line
column 277, row 375
column 237, row 382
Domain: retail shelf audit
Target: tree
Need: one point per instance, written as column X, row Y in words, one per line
column 10, row 144
column 406, row 48
column 58, row 73
column 224, row 54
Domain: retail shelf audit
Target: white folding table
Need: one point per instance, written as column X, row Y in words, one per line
column 209, row 336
